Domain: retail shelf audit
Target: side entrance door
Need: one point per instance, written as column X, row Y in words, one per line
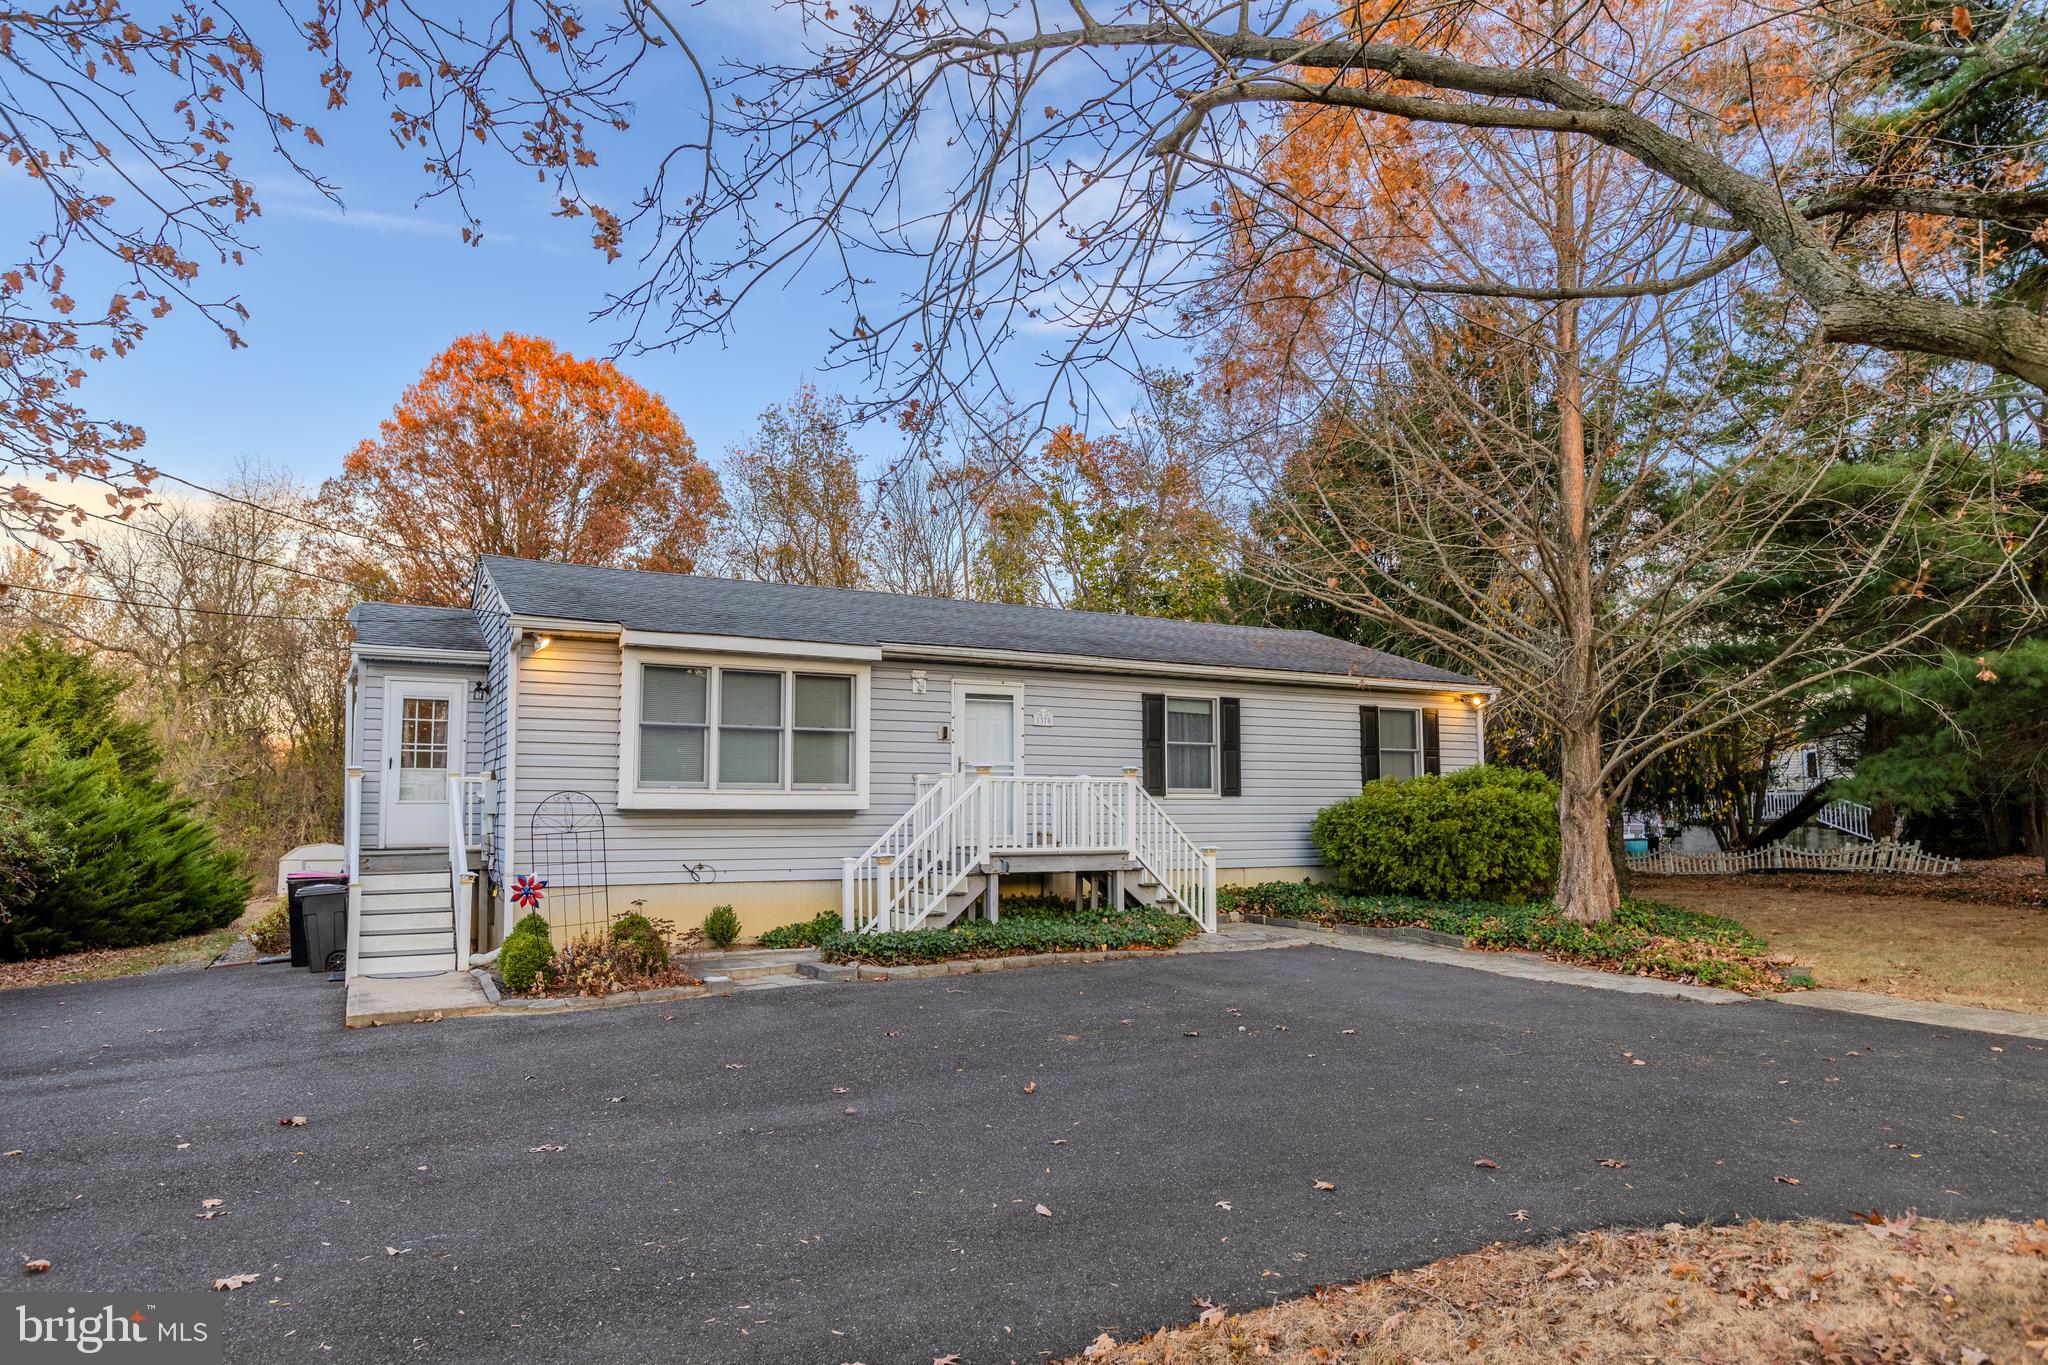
column 423, row 727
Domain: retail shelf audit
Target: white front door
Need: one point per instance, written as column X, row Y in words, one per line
column 422, row 744
column 987, row 732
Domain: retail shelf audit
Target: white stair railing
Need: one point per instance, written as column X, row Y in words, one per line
column 1185, row 870
column 352, row 864
column 1849, row 817
column 466, row 807
column 965, row 823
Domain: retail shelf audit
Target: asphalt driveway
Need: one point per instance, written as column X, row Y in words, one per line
column 852, row 1173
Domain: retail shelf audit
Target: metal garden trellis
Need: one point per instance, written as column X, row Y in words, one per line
column 565, row 843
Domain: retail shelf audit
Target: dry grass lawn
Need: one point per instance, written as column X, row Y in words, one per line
column 1894, row 941
column 101, row 963
column 1898, row 1290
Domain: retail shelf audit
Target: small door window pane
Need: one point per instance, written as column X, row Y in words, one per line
column 422, row 748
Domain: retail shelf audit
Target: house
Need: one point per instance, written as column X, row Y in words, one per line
column 583, row 741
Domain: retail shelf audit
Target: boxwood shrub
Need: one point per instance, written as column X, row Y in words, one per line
column 1026, row 927
column 525, row 954
column 805, row 933
column 637, row 933
column 1480, row 834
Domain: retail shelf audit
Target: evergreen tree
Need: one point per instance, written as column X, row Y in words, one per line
column 64, row 694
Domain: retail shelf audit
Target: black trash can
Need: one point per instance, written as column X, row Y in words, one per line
column 296, row 884
column 325, row 915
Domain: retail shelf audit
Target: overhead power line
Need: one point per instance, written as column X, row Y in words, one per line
column 171, row 606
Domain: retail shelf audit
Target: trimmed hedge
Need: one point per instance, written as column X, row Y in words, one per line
column 1024, row 926
column 1644, row 937
column 1479, row 834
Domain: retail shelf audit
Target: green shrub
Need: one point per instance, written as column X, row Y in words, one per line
column 1035, row 929
column 137, row 866
column 30, row 854
column 808, row 933
column 1483, row 833
column 272, row 932
column 532, row 922
column 637, row 934
column 722, row 926
column 524, row 957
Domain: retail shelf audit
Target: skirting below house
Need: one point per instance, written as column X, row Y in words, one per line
column 764, row 905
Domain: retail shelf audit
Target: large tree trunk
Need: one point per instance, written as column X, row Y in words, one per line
column 1587, row 889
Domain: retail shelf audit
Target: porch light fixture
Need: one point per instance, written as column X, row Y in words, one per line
column 541, row 642
column 478, row 690
column 1477, row 701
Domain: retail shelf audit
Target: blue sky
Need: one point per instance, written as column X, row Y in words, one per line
column 348, row 303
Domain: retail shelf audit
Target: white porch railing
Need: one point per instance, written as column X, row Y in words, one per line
column 960, row 822
column 1847, row 816
column 468, row 817
column 352, row 864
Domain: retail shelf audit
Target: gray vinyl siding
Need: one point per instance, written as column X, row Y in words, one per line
column 497, row 631
column 1300, row 750
column 370, row 714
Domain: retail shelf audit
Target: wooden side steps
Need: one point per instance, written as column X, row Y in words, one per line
column 408, row 915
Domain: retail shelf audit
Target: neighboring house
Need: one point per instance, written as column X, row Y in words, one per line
column 1793, row 773
column 675, row 742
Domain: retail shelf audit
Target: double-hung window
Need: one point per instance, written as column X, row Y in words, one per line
column 704, row 735
column 1190, row 744
column 1400, row 741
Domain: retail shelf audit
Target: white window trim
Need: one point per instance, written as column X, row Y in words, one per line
column 632, row 796
column 1418, row 751
column 1215, row 787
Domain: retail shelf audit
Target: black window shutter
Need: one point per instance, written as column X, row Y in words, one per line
column 1154, row 771
column 1368, row 744
column 1233, row 749
column 1432, row 751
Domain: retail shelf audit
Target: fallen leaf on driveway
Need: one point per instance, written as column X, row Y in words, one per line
column 1786, row 1179
column 1520, row 1215
column 735, row 1066
column 292, row 1121
column 396, row 1251
column 1613, row 1163
column 1101, row 1346
column 946, row 1360
column 548, row 1147
column 15, row 1152
column 35, row 1267
column 1348, row 1032
column 1223, row 1204
column 841, row 1090
column 1192, row 1033
column 425, row 1018
column 1324, row 1185
column 1059, row 1142
column 210, row 1203
column 1042, row 1211
column 1212, row 1313
column 1485, row 1163
column 228, row 1283
column 1030, row 1087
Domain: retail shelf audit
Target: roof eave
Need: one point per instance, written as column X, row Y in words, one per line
column 1091, row 663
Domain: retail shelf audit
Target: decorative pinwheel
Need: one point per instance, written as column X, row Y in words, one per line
column 526, row 891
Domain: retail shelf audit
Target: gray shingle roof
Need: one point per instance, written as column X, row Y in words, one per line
column 391, row 626
column 688, row 603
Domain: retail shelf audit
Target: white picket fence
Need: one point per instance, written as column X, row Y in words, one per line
column 1885, row 855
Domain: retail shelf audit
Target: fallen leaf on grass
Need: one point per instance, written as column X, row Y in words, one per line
column 1101, row 1346
column 35, row 1267
column 1212, row 1313
column 228, row 1283
column 292, row 1121
column 1486, row 1164
column 1042, row 1211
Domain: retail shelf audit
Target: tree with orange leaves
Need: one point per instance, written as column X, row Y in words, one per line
column 509, row 445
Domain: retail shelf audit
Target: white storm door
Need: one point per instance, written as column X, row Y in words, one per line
column 988, row 732
column 423, row 725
